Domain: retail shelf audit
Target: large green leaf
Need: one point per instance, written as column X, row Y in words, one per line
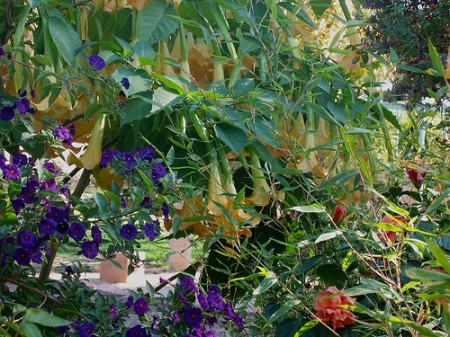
column 320, row 6
column 64, row 36
column 136, row 108
column 139, row 80
column 156, row 22
column 42, row 317
column 233, row 137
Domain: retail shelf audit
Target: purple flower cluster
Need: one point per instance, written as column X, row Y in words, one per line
column 22, row 106
column 66, row 135
column 97, row 62
column 152, row 229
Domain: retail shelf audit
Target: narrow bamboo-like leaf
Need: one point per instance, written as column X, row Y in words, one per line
column 30, row 329
column 265, row 285
column 146, row 180
column 314, row 208
column 435, row 59
column 341, row 178
column 328, row 236
column 42, row 317
column 393, row 56
column 288, row 305
column 320, row 6
column 440, row 256
column 438, row 201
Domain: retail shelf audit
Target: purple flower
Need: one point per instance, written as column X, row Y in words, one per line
column 59, row 214
column 216, row 302
column 12, row 172
column 129, row 159
column 22, row 256
column 188, row 284
column 27, row 239
column 147, row 153
column 28, row 192
column 64, row 135
column 49, row 166
column 65, row 191
column 113, row 311
column 47, row 226
column 203, row 301
column 125, row 83
column 140, row 307
column 136, row 331
column 6, row 113
column 18, row 204
column 2, row 161
column 20, row 159
column 129, row 302
column 90, row 249
column 193, row 316
column 86, row 329
column 50, row 185
column 165, row 210
column 214, row 290
column 146, row 202
column 35, row 256
column 23, row 105
column 77, row 231
column 159, row 171
column 152, row 229
column 2, row 51
column 239, row 322
column 96, row 234
column 97, row 62
column 128, row 231
column 108, row 156
column 62, row 227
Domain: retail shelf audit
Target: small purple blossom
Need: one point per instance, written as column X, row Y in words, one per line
column 35, row 255
column 108, row 156
column 86, row 329
column 50, row 185
column 62, row 227
column 146, row 153
column 203, row 301
column 188, row 284
column 97, row 62
column 27, row 239
column 193, row 316
column 136, row 331
column 125, row 83
column 129, row 231
column 20, row 159
column 129, row 159
column 22, row 256
column 152, row 229
column 47, row 226
column 165, row 210
column 23, row 105
column 64, row 134
column 11, row 172
column 140, row 307
column 77, row 231
column 18, row 204
column 6, row 113
column 49, row 166
column 2, row 51
column 90, row 249
column 59, row 214
column 96, row 234
column 129, row 302
column 113, row 311
column 159, row 171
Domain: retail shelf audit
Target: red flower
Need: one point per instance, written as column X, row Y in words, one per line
column 328, row 305
column 390, row 236
column 415, row 176
column 339, row 213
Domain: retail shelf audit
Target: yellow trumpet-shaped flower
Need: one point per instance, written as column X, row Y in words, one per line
column 91, row 157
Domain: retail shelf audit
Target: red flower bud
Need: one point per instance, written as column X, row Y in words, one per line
column 415, row 176
column 339, row 213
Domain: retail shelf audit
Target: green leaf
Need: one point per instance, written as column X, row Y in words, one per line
column 332, row 274
column 64, row 36
column 156, row 21
column 288, row 305
column 426, row 276
column 288, row 327
column 341, row 178
column 390, row 117
column 265, row 285
column 139, row 79
column 313, row 208
column 30, row 329
column 441, row 257
column 298, row 12
column 320, row 6
column 146, row 180
column 438, row 201
column 435, row 59
column 393, row 56
column 234, row 138
column 328, row 236
column 163, row 98
column 42, row 317
column 136, row 108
